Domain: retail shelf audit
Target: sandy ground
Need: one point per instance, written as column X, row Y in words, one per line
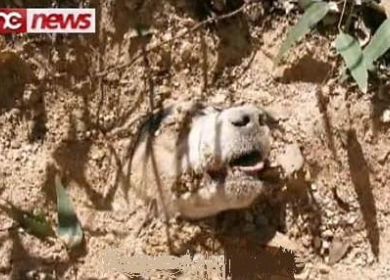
column 63, row 107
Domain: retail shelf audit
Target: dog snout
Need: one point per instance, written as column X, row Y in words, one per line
column 243, row 117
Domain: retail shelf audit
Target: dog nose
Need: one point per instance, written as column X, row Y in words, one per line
column 241, row 120
column 244, row 117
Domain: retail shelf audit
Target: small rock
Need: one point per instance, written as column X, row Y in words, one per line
column 352, row 219
column 323, row 268
column 164, row 91
column 306, row 241
column 255, row 13
column 325, row 245
column 281, row 240
column 327, row 233
column 112, row 77
column 337, row 250
column 186, row 51
column 370, row 259
column 288, row 7
column 15, row 145
column 31, row 96
column 385, row 118
column 98, row 155
column 292, row 160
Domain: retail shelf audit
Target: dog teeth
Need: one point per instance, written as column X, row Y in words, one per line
column 255, row 168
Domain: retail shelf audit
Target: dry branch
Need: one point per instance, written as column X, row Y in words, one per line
column 179, row 36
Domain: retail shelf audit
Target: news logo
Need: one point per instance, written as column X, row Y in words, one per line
column 13, row 21
column 20, row 21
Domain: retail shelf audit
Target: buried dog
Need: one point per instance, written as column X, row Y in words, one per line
column 205, row 163
column 197, row 161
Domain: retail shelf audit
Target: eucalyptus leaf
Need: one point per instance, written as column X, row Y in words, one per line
column 69, row 228
column 349, row 48
column 379, row 44
column 314, row 13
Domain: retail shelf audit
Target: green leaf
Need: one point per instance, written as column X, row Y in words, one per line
column 69, row 228
column 352, row 54
column 34, row 224
column 310, row 18
column 378, row 45
column 304, row 4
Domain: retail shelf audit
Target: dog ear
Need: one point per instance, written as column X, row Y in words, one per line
column 191, row 108
column 211, row 110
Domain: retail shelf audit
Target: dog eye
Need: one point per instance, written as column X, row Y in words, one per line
column 215, row 109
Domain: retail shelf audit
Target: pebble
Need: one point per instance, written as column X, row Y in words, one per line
column 186, row 51
column 386, row 116
column 15, row 145
column 324, row 268
column 370, row 259
column 325, row 244
column 31, row 96
column 307, row 240
column 327, row 233
column 112, row 77
column 338, row 250
column 351, row 220
column 98, row 155
column 292, row 160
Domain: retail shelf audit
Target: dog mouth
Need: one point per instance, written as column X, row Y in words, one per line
column 250, row 163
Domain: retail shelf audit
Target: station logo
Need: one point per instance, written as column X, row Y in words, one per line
column 19, row 21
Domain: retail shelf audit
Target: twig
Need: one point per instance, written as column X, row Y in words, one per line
column 179, row 36
column 342, row 15
column 349, row 18
column 100, row 85
column 146, row 219
column 148, row 78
